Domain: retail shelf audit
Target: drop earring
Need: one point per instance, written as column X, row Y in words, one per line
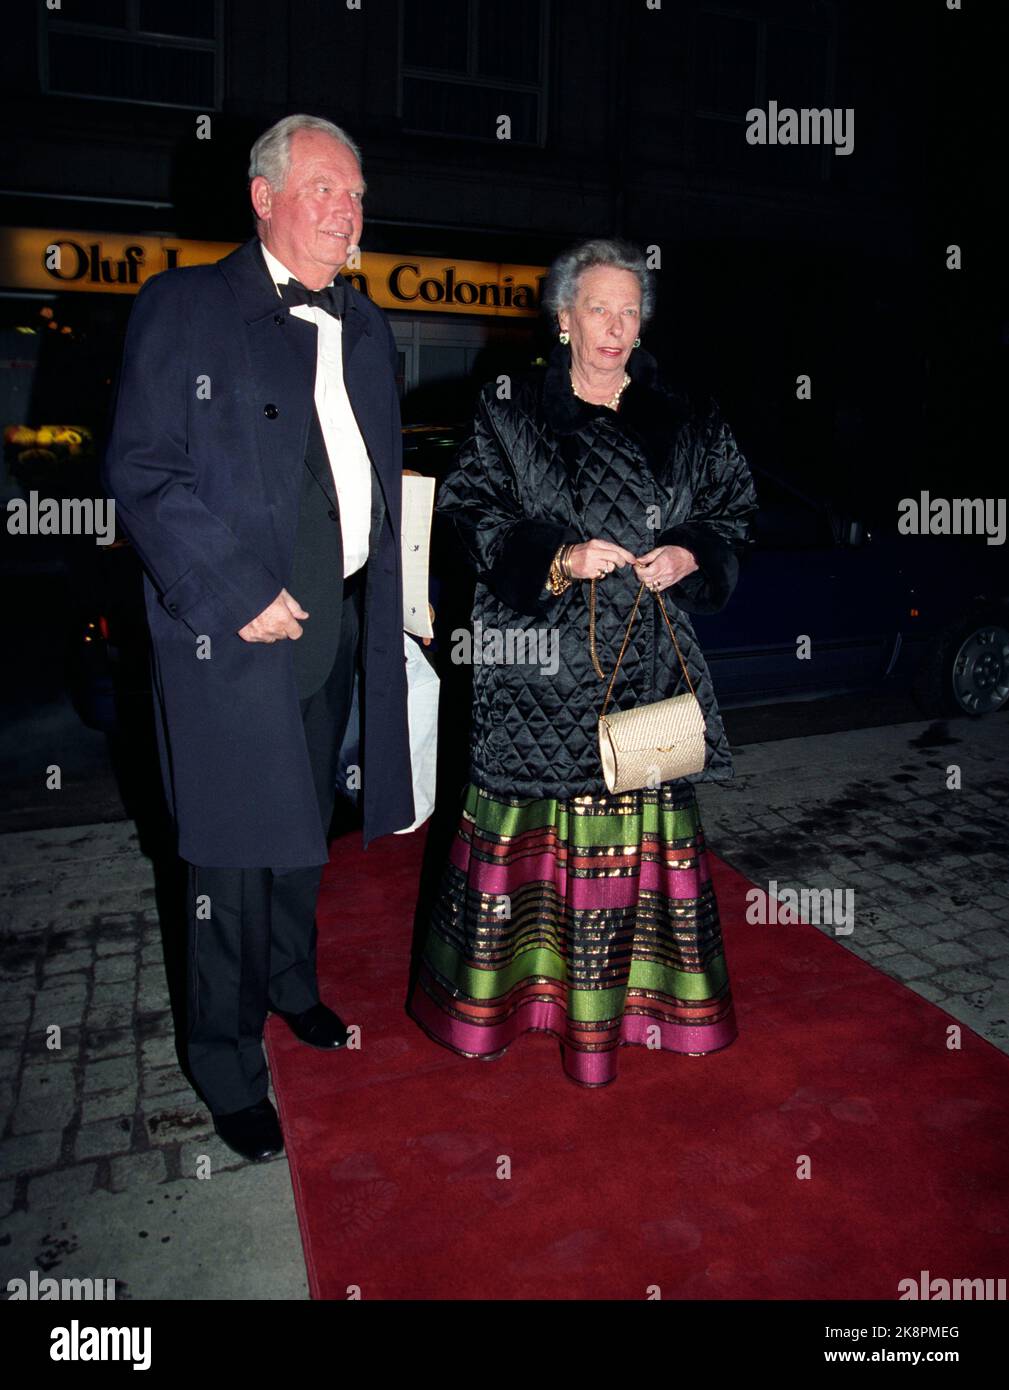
column 637, row 342
column 564, row 338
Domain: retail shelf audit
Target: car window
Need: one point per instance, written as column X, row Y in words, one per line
column 788, row 521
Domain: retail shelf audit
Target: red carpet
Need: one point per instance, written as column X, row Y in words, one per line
column 682, row 1174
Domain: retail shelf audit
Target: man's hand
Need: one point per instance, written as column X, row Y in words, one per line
column 665, row 565
column 276, row 622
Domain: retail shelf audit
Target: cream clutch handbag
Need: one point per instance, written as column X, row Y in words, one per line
column 649, row 744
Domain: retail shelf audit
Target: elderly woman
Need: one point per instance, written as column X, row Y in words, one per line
column 563, row 907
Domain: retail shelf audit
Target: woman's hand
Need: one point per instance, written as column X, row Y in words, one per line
column 596, row 559
column 665, row 565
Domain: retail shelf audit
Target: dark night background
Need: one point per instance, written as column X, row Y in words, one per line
column 627, row 120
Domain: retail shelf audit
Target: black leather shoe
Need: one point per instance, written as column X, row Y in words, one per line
column 253, row 1132
column 317, row 1026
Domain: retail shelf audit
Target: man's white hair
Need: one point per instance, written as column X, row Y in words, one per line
column 270, row 156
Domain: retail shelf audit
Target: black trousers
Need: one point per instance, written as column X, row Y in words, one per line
column 251, row 932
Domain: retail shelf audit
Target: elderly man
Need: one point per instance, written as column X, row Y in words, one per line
column 255, row 460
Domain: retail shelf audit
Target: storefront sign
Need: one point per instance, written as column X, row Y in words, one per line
column 45, row 259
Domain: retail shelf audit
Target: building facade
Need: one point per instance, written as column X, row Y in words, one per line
column 495, row 132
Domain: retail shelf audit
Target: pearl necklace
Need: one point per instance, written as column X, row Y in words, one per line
column 612, row 403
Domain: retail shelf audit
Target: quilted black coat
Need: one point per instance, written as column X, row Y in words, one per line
column 543, row 468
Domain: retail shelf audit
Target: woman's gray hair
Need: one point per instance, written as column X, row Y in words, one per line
column 270, row 156
column 561, row 288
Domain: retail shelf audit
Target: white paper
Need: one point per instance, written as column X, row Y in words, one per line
column 423, row 688
column 418, row 507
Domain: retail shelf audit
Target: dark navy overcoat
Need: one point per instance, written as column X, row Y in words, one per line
column 205, row 463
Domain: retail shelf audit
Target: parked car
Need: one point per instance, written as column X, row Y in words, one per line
column 876, row 607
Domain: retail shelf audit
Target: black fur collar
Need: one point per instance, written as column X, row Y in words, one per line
column 648, row 410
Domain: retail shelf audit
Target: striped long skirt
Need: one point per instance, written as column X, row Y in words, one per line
column 592, row 918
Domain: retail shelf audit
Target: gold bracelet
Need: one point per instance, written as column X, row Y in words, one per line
column 557, row 581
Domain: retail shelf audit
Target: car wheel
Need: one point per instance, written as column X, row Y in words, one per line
column 968, row 669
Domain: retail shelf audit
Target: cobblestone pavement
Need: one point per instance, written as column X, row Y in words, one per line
column 928, row 866
column 101, row 1138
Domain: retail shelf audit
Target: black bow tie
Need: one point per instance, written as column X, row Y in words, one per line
column 330, row 298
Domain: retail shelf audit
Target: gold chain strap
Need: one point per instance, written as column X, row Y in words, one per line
column 627, row 637
column 592, row 632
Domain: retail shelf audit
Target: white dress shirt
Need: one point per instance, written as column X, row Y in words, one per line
column 348, row 455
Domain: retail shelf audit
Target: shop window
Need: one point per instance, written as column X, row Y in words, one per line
column 465, row 63
column 439, row 359
column 742, row 59
column 153, row 52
